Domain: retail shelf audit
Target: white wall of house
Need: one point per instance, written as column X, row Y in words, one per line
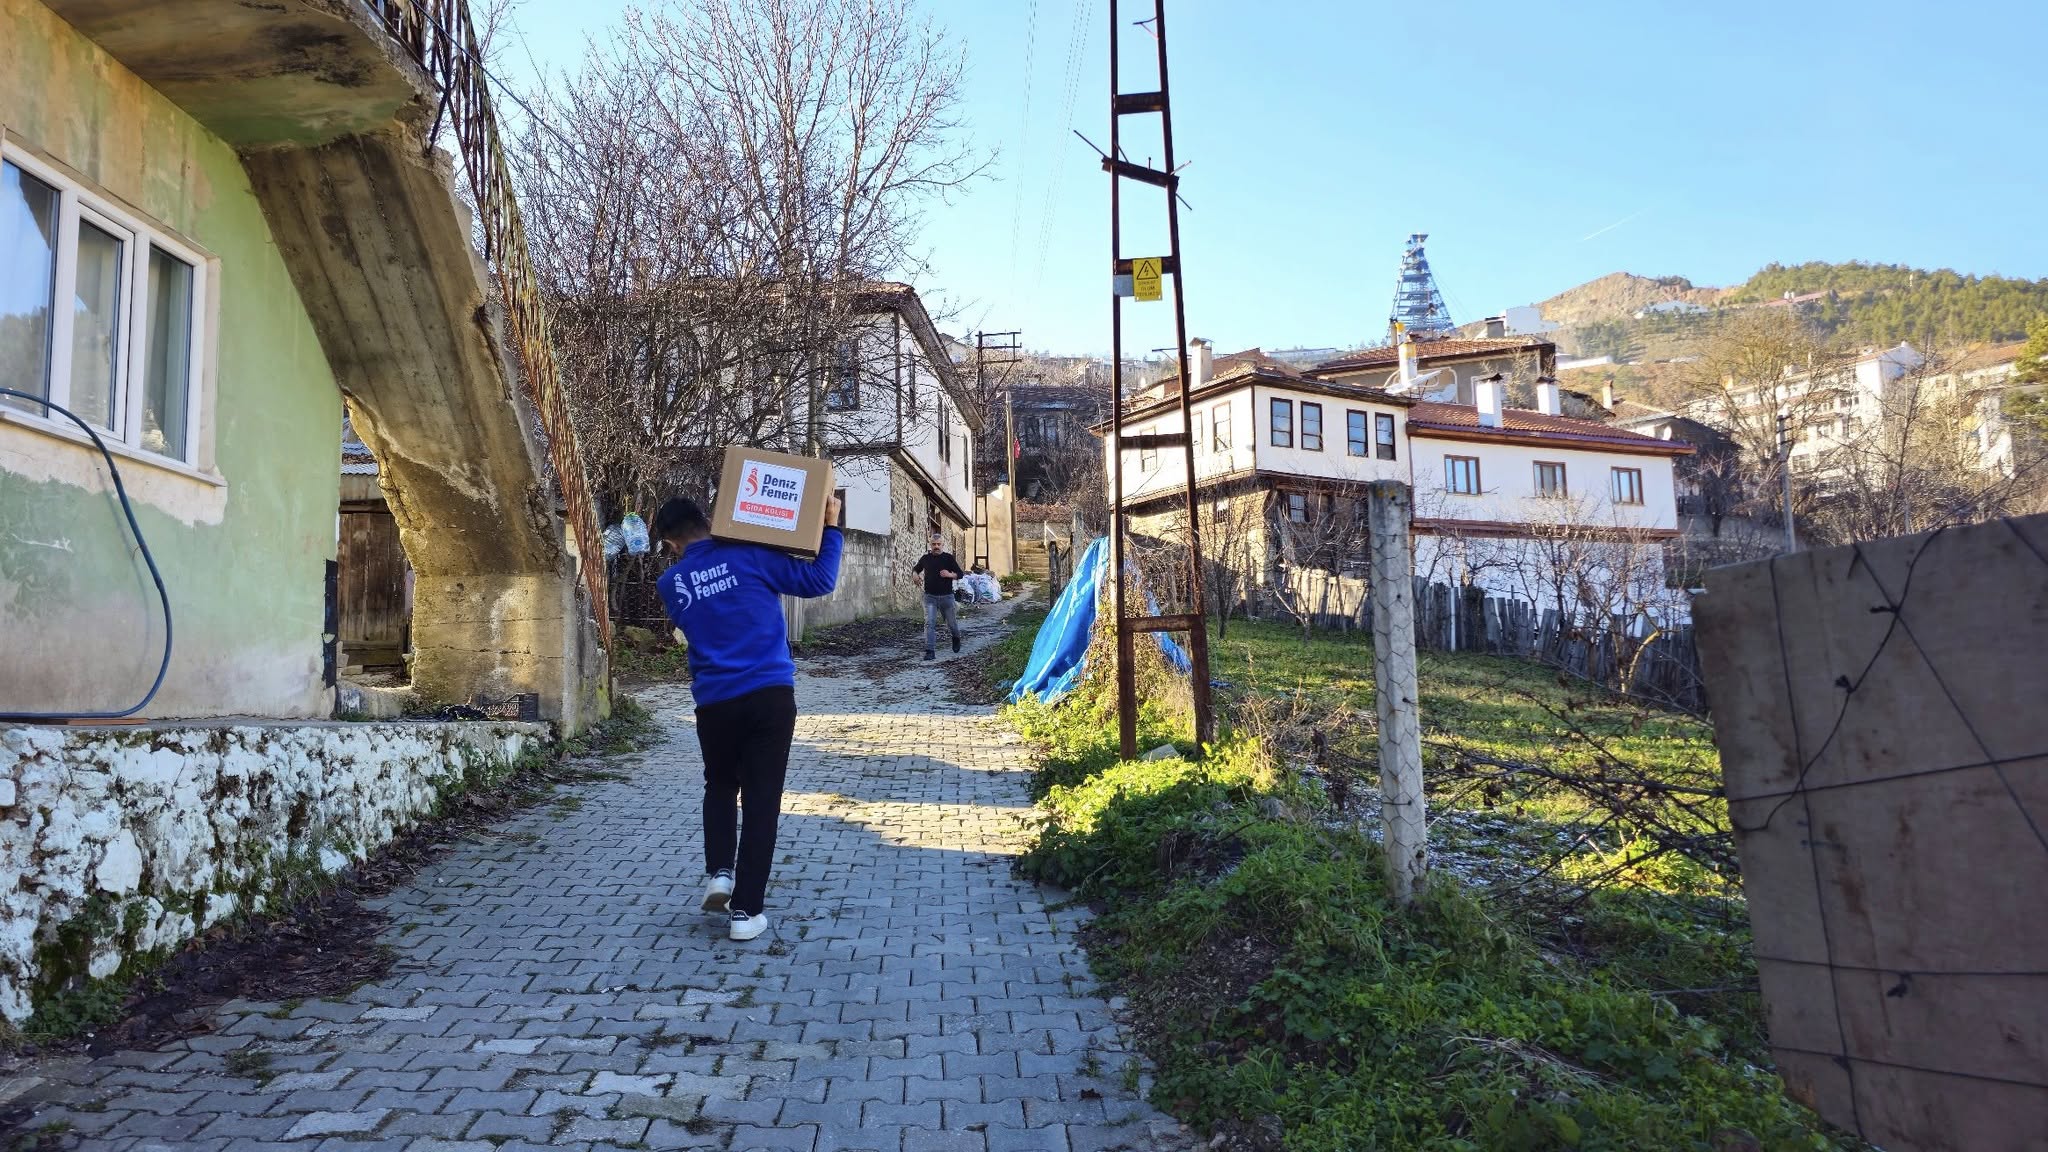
column 1245, row 414
column 939, row 442
column 1149, row 473
column 866, row 481
column 1508, row 485
column 1588, row 580
column 1333, row 460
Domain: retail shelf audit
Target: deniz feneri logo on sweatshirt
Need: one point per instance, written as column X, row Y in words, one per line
column 704, row 582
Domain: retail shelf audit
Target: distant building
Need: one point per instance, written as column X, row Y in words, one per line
column 1823, row 407
column 1446, row 371
column 1500, row 492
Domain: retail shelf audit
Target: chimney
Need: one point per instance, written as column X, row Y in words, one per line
column 1201, row 363
column 1496, row 327
column 1548, row 401
column 1607, row 395
column 1404, row 383
column 1486, row 394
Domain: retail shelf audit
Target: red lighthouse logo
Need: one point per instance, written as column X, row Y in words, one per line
column 753, row 481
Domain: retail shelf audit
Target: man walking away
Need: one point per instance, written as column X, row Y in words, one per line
column 940, row 570
column 726, row 598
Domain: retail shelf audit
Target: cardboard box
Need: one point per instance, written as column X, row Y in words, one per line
column 772, row 498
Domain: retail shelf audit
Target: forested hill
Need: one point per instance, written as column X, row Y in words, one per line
column 1874, row 304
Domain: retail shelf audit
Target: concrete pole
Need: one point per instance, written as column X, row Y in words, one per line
column 1403, row 815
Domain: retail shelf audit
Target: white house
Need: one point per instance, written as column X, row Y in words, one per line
column 1531, row 504
column 1526, row 503
column 901, row 437
column 1273, row 447
column 1823, row 407
column 1984, row 377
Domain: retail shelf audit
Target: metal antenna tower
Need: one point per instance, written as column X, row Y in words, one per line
column 1417, row 302
column 1194, row 622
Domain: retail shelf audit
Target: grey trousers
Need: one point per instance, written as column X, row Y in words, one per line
column 934, row 608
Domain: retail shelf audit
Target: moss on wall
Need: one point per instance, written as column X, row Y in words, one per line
column 244, row 564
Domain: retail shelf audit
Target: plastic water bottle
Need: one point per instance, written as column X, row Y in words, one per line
column 635, row 530
column 614, row 542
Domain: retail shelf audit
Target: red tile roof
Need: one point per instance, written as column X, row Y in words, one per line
column 1462, row 420
column 1388, row 355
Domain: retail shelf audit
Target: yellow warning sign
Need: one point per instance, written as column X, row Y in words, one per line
column 1145, row 277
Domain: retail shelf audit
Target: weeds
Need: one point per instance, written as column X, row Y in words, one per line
column 1279, row 993
column 250, row 1064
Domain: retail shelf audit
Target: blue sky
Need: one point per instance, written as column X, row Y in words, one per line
column 1540, row 145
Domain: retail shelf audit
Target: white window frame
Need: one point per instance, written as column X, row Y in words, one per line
column 77, row 202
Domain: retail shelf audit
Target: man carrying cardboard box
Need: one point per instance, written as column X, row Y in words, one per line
column 726, row 597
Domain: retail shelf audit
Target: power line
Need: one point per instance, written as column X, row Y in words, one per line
column 1077, row 46
column 1023, row 138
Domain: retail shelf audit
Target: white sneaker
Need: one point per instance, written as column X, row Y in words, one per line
column 718, row 897
column 745, row 927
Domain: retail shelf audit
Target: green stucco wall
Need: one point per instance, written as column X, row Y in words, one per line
column 244, row 562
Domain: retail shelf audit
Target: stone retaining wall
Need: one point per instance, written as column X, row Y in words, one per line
column 118, row 845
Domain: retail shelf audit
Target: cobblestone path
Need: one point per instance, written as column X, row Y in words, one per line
column 558, row 987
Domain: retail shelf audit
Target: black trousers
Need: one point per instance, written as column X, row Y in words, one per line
column 746, row 754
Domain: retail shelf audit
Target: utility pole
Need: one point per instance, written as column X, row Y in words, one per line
column 1403, row 813
column 1785, row 477
column 1008, row 352
column 1143, row 276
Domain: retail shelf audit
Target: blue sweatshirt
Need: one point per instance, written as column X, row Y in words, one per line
column 726, row 597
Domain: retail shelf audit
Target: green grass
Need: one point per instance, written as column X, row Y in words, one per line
column 1008, row 656
column 650, row 665
column 1277, row 989
column 1506, row 709
column 1490, row 704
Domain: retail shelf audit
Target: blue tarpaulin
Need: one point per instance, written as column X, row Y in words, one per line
column 1060, row 654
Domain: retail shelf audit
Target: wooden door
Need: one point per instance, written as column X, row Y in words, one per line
column 374, row 617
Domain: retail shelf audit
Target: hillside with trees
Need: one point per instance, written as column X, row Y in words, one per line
column 1858, row 305
column 1887, row 303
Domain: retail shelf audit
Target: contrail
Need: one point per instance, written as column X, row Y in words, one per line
column 1611, row 227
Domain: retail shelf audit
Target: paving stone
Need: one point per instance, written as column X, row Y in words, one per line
column 501, row 1126
column 333, row 1123
column 915, row 989
column 1050, row 1139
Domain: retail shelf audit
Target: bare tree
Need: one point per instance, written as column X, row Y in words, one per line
column 1910, row 459
column 1758, row 366
column 1605, row 578
column 1319, row 536
column 715, row 199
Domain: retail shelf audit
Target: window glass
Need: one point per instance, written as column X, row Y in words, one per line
column 96, row 325
column 1383, row 428
column 1311, row 427
column 167, row 350
column 28, row 279
column 1354, row 433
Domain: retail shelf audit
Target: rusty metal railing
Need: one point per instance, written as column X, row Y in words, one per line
column 439, row 36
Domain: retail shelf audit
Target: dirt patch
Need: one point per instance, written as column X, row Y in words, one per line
column 1219, row 975
column 326, row 944
column 1187, row 854
column 974, row 677
column 866, row 637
